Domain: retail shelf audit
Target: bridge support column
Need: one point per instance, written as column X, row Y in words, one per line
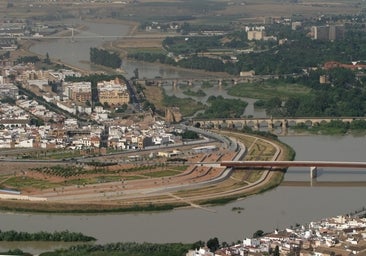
column 284, row 124
column 270, row 126
column 258, row 126
column 313, row 172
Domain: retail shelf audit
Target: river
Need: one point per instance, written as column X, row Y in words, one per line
column 278, row 208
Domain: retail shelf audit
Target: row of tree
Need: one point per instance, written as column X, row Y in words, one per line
column 105, row 58
column 65, row 236
column 124, row 249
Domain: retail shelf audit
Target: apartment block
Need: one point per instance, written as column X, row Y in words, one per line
column 256, row 35
column 328, row 33
column 8, row 90
column 113, row 92
column 80, row 91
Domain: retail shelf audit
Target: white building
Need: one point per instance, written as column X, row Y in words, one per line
column 251, row 242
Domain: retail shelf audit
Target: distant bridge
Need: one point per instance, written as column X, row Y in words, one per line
column 271, row 123
column 286, row 164
column 217, row 81
column 91, row 37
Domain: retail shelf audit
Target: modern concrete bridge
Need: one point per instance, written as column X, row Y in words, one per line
column 285, row 164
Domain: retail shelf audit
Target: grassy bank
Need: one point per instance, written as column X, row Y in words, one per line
column 259, row 148
column 42, row 207
column 268, row 89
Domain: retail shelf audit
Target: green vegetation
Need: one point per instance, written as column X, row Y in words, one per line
column 213, row 244
column 187, row 106
column 61, row 171
column 105, row 58
column 164, row 173
column 198, row 93
column 265, row 57
column 269, row 89
column 16, row 252
column 333, row 127
column 189, row 45
column 223, row 108
column 124, row 249
column 28, row 59
column 16, row 205
column 189, row 135
column 151, row 57
column 36, row 121
column 343, row 96
column 187, row 28
column 206, row 84
column 258, row 233
column 8, row 100
column 205, row 63
column 5, row 55
column 26, row 182
column 64, row 236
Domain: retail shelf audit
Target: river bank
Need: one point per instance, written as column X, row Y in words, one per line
column 125, row 199
column 276, row 208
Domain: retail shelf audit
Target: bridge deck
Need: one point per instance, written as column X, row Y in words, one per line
column 293, row 164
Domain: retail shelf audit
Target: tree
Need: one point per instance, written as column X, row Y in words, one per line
column 224, row 244
column 106, row 105
column 213, row 244
column 136, row 73
column 8, row 100
column 47, row 60
column 36, row 122
column 198, row 245
column 258, row 233
column 105, row 58
column 276, row 251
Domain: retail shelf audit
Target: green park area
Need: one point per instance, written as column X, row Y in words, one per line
column 268, row 89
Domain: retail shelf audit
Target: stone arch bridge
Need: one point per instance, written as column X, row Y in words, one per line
column 214, row 81
column 270, row 123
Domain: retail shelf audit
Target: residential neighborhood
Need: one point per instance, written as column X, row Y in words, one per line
column 340, row 235
column 28, row 124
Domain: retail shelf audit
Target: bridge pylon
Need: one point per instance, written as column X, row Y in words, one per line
column 72, row 35
column 313, row 172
